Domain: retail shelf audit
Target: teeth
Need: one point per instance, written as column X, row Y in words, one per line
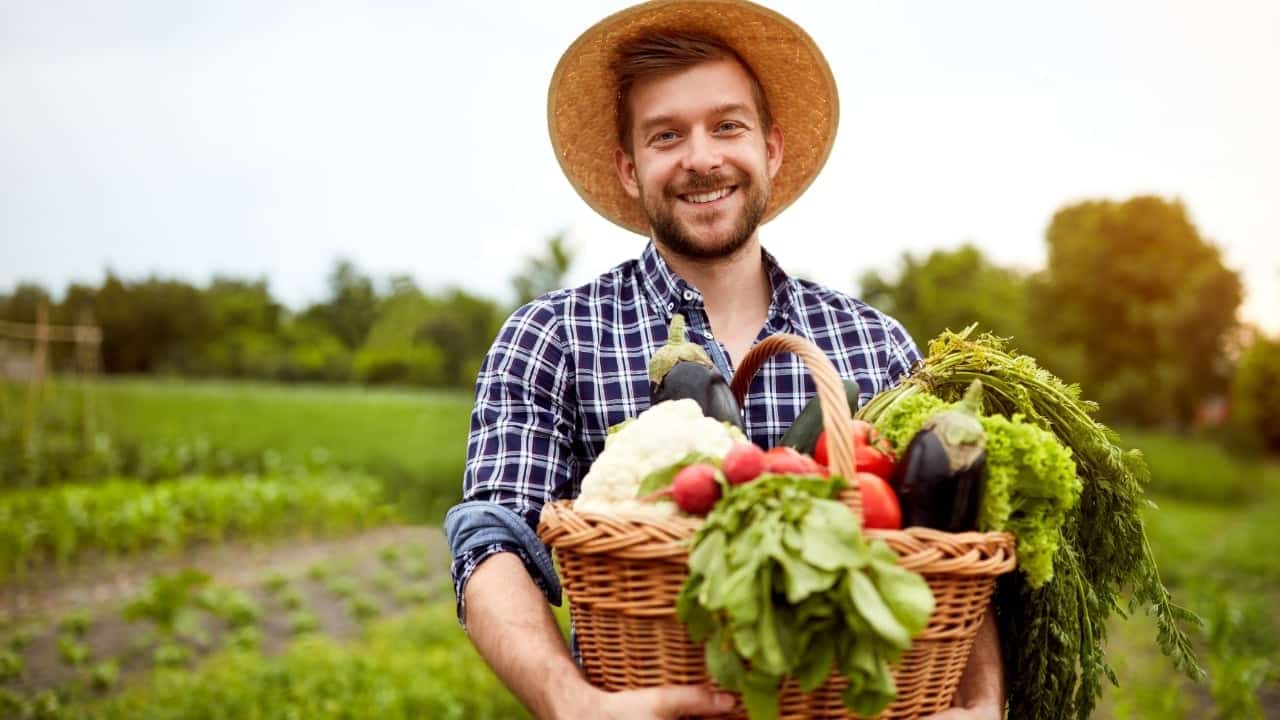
column 708, row 197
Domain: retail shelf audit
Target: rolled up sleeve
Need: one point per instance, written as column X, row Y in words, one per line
column 519, row 451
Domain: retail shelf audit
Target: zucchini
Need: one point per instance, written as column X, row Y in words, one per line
column 804, row 431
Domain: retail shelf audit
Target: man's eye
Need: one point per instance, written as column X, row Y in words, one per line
column 729, row 126
column 665, row 136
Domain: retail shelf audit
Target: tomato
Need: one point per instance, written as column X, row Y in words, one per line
column 880, row 508
column 871, row 452
column 789, row 461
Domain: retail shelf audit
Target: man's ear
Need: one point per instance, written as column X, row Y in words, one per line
column 773, row 150
column 626, row 167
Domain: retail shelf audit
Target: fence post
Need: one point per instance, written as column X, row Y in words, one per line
column 36, row 388
column 87, row 338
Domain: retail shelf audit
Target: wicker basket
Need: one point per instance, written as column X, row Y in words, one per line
column 622, row 577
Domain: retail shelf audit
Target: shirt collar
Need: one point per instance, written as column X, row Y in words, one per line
column 670, row 293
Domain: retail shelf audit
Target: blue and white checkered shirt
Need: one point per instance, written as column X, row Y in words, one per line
column 572, row 363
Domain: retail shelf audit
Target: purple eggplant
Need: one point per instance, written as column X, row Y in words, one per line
column 940, row 476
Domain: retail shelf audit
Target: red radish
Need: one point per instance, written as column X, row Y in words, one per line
column 743, row 464
column 695, row 489
column 789, row 461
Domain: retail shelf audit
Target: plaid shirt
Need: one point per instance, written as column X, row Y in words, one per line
column 572, row 363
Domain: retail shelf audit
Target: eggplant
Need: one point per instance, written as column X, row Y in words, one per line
column 682, row 370
column 940, row 477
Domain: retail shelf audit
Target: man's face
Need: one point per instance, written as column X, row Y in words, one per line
column 700, row 163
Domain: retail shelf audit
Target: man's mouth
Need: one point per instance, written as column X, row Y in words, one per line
column 706, row 198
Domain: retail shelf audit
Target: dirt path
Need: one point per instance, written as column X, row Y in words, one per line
column 50, row 592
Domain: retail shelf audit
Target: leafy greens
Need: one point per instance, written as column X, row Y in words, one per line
column 782, row 583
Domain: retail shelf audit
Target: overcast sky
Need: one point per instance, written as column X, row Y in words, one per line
column 268, row 139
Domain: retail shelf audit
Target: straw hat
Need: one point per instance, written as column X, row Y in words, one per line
column 582, row 101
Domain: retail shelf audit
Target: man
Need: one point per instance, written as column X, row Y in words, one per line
column 669, row 119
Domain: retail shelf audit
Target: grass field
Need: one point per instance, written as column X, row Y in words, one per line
column 415, row 440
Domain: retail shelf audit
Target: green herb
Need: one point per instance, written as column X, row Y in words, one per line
column 782, row 583
column 1054, row 636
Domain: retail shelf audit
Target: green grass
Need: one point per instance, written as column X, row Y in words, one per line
column 414, row 439
column 1220, row 557
column 1192, row 469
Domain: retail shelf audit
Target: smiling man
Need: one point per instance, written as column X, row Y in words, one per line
column 669, row 119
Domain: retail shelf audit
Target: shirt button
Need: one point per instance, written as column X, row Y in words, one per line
column 671, row 306
column 688, row 294
column 710, row 336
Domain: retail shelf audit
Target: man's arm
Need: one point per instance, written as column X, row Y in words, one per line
column 513, row 628
column 981, row 694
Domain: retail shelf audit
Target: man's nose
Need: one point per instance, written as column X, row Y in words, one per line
column 701, row 154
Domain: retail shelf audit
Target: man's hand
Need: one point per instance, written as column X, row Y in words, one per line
column 662, row 703
column 980, row 695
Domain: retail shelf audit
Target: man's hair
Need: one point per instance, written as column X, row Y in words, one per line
column 664, row 53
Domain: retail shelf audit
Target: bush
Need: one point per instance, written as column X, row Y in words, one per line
column 413, row 365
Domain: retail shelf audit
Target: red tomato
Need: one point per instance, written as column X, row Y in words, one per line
column 880, row 507
column 871, row 452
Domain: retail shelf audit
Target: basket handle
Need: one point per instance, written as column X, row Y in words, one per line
column 836, row 415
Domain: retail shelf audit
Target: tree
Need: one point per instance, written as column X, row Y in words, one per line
column 1146, row 302
column 951, row 289
column 1255, row 392
column 21, row 305
column 542, row 274
column 352, row 306
column 153, row 325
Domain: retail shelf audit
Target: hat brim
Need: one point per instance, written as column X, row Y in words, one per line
column 582, row 100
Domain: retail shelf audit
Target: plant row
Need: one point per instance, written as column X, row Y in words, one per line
column 417, row 666
column 67, row 523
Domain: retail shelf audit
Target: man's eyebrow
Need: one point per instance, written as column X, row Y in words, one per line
column 668, row 119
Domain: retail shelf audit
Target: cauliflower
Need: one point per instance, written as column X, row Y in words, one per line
column 657, row 438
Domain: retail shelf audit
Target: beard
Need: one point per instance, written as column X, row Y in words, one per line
column 677, row 237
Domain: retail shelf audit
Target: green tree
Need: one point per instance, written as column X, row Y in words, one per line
column 1146, row 303
column 1255, row 392
column 543, row 273
column 245, row 338
column 428, row 340
column 352, row 306
column 153, row 325
column 20, row 306
column 951, row 289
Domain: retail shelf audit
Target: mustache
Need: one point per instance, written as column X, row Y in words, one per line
column 703, row 183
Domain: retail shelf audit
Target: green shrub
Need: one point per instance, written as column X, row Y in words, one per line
column 11, row 664
column 104, row 675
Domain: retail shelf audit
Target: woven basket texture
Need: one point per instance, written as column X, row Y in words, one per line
column 622, row 577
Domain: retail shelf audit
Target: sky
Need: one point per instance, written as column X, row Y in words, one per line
column 267, row 140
